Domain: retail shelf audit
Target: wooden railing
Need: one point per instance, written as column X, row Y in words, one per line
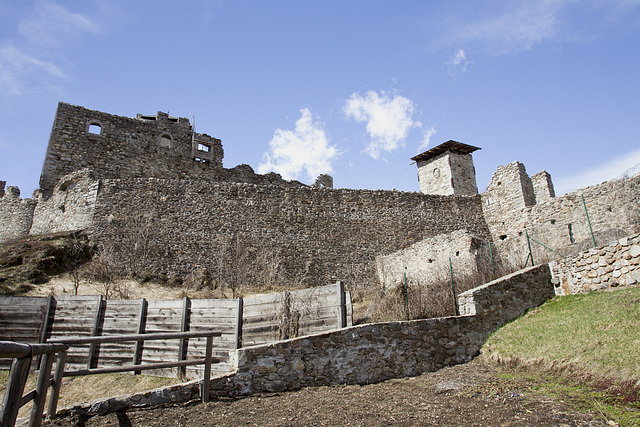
column 22, row 355
column 14, row 399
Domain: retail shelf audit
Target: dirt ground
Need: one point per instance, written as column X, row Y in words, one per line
column 474, row 394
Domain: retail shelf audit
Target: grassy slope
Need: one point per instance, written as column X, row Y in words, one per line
column 588, row 347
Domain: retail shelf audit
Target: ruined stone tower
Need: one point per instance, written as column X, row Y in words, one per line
column 447, row 170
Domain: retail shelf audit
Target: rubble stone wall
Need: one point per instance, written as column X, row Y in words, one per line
column 428, row 260
column 318, row 234
column 16, row 214
column 561, row 223
column 612, row 265
column 71, row 206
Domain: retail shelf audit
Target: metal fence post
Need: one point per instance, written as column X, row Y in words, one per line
column 453, row 288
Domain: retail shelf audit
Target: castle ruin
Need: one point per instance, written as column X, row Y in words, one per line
column 158, row 194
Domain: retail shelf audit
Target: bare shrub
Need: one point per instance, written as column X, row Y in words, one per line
column 103, row 268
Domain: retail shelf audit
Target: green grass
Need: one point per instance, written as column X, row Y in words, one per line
column 587, row 347
column 599, row 332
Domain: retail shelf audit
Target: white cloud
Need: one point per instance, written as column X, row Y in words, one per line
column 457, row 62
column 603, row 172
column 52, row 22
column 388, row 120
column 304, row 149
column 519, row 25
column 427, row 138
column 15, row 65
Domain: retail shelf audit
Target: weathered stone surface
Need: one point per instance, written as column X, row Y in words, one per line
column 621, row 269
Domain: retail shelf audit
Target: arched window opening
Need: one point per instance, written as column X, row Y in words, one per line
column 94, row 128
column 165, row 141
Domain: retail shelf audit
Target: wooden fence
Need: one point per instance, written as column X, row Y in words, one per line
column 242, row 322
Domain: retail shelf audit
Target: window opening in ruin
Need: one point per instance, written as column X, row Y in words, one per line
column 205, row 148
column 553, row 221
column 457, row 253
column 165, row 141
column 572, row 239
column 199, row 160
column 503, row 236
column 95, row 129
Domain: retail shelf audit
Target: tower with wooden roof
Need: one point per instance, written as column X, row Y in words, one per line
column 447, row 170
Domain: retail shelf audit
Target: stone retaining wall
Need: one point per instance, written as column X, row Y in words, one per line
column 366, row 353
column 616, row 264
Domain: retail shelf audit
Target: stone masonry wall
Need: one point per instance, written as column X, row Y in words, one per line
column 464, row 174
column 319, row 235
column 561, row 222
column 116, row 147
column 16, row 214
column 542, row 186
column 612, row 265
column 434, row 175
column 428, row 260
column 70, row 207
column 365, row 354
column 121, row 147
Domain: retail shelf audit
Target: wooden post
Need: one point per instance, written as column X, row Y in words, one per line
column 142, row 324
column 184, row 327
column 44, row 380
column 342, row 307
column 238, row 340
column 57, row 384
column 46, row 322
column 13, row 393
column 206, row 381
column 93, row 347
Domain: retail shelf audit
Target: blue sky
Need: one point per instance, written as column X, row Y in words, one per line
column 349, row 88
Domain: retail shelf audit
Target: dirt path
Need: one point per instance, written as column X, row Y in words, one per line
column 471, row 395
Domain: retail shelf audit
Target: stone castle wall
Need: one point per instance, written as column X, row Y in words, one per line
column 315, row 235
column 612, row 265
column 428, row 260
column 16, row 214
column 559, row 222
column 70, row 207
column 122, row 147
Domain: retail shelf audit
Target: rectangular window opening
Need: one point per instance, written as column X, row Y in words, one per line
column 203, row 147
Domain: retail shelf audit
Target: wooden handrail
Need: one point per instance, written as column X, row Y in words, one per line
column 133, row 337
column 23, row 354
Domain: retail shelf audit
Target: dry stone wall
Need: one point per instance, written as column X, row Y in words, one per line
column 612, row 265
column 316, row 235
